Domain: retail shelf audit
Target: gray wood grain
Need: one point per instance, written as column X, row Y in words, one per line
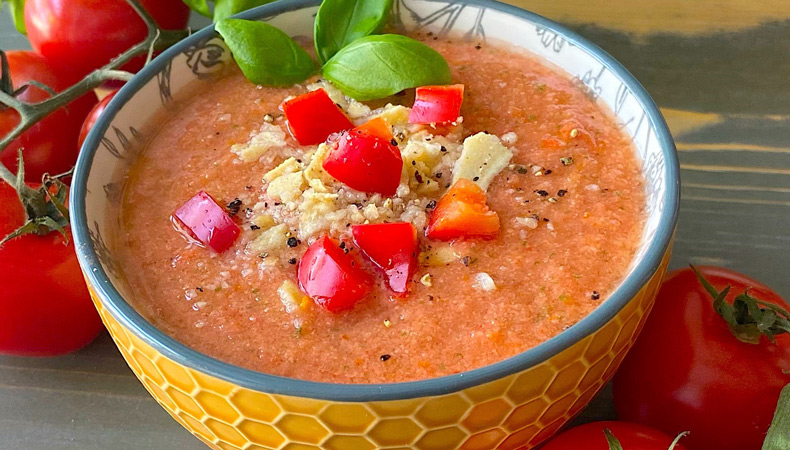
column 726, row 98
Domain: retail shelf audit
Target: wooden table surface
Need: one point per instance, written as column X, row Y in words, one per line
column 718, row 69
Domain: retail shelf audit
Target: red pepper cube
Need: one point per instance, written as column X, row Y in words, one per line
column 392, row 247
column 331, row 277
column 462, row 212
column 437, row 104
column 313, row 116
column 208, row 222
column 365, row 161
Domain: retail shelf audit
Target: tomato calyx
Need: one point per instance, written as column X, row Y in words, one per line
column 748, row 318
column 45, row 207
column 614, row 443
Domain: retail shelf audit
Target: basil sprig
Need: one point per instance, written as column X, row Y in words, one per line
column 223, row 8
column 264, row 53
column 380, row 66
column 341, row 22
column 362, row 65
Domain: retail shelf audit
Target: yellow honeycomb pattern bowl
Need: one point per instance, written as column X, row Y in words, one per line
column 513, row 404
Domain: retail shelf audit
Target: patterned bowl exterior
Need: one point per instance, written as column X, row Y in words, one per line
column 516, row 403
column 518, row 411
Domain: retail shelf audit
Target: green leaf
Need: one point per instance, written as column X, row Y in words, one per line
column 226, row 8
column 201, row 6
column 341, row 22
column 379, row 66
column 265, row 54
column 614, row 444
column 17, row 10
column 778, row 437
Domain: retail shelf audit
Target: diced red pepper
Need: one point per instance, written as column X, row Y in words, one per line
column 462, row 212
column 437, row 104
column 207, row 221
column 377, row 127
column 313, row 116
column 332, row 278
column 392, row 247
column 365, row 161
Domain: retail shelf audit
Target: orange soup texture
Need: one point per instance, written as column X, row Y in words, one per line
column 570, row 203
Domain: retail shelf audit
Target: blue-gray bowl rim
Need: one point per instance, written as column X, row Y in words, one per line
column 122, row 311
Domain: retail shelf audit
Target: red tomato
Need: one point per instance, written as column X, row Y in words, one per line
column 631, row 436
column 437, row 104
column 331, row 277
column 365, row 162
column 50, row 146
column 208, row 222
column 392, row 247
column 79, row 36
column 462, row 212
column 313, row 116
column 687, row 372
column 93, row 116
column 45, row 308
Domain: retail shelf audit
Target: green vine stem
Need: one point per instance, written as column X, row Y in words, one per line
column 32, row 113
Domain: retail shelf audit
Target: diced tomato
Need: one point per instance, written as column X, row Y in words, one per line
column 332, row 278
column 462, row 213
column 392, row 247
column 208, row 222
column 378, row 127
column 437, row 104
column 313, row 116
column 365, row 161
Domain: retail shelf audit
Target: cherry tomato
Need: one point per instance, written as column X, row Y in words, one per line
column 437, row 104
column 365, row 161
column 313, row 116
column 45, row 308
column 79, row 36
column 93, row 116
column 462, row 212
column 392, row 247
column 591, row 436
column 331, row 277
column 50, row 146
column 688, row 372
column 208, row 222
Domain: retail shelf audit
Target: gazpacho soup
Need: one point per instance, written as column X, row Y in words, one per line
column 299, row 232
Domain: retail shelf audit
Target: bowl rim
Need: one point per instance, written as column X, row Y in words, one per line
column 123, row 312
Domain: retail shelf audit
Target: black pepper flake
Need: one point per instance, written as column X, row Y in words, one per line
column 292, row 261
column 248, row 187
column 595, row 295
column 430, row 298
column 413, row 162
column 478, row 46
column 443, row 148
column 394, row 142
column 254, row 227
column 475, row 178
column 342, row 244
column 431, row 204
column 438, row 175
column 234, row 207
column 385, row 357
column 522, row 170
column 417, row 176
column 292, row 242
column 542, row 193
column 561, row 193
column 277, row 203
column 199, row 288
column 545, row 219
column 468, row 260
column 248, row 210
column 547, row 172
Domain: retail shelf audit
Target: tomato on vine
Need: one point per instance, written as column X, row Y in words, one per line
column 93, row 116
column 614, row 436
column 82, row 35
column 50, row 146
column 45, row 308
column 712, row 359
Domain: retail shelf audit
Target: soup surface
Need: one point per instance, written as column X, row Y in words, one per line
column 570, row 203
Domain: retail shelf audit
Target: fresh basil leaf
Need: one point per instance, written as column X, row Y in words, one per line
column 226, row 8
column 778, row 437
column 200, row 6
column 265, row 54
column 341, row 22
column 379, row 66
column 17, row 10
